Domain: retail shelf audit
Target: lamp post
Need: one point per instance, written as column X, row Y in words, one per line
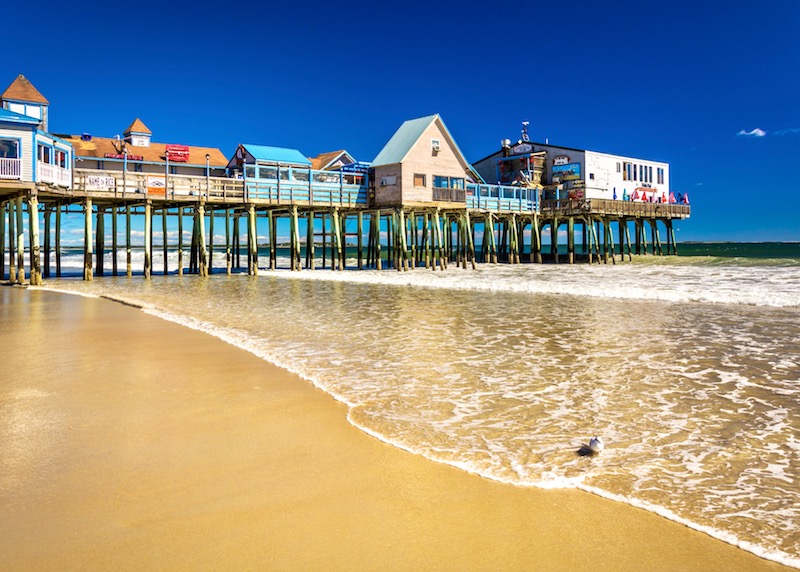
column 208, row 180
column 166, row 173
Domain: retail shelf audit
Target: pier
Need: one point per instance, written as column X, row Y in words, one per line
column 418, row 204
column 506, row 223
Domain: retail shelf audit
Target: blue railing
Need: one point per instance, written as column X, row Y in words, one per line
column 292, row 185
column 502, row 198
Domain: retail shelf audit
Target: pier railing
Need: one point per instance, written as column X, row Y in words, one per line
column 304, row 187
column 502, row 198
column 11, row 169
column 578, row 207
column 53, row 174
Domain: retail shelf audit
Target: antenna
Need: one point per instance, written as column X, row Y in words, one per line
column 525, row 131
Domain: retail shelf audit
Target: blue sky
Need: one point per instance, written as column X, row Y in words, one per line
column 713, row 91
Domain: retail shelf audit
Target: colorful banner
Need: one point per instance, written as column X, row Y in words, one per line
column 156, row 184
column 568, row 172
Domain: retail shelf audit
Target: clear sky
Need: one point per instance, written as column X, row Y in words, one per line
column 712, row 89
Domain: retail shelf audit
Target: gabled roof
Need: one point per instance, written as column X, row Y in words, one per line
column 97, row 147
column 269, row 154
column 137, row 127
column 22, row 90
column 324, row 160
column 7, row 116
column 404, row 139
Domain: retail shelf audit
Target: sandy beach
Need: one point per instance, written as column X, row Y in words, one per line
column 131, row 443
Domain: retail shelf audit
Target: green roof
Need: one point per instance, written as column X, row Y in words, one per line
column 403, row 140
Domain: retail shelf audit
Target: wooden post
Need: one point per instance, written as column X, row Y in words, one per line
column 2, row 239
column 471, row 245
column 87, row 241
column 100, row 241
column 228, row 241
column 164, row 239
column 378, row 258
column 201, row 240
column 114, row 269
column 402, row 240
column 128, row 260
column 554, row 239
column 47, row 211
column 656, row 238
column 236, row 260
column 610, row 239
column 148, row 238
column 273, row 238
column 12, row 241
column 210, row 265
column 628, row 241
column 674, row 242
column 310, row 250
column 360, row 239
column 33, row 225
column 252, row 259
column 571, row 239
column 180, row 241
column 58, row 240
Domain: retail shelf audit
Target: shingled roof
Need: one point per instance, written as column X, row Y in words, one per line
column 137, row 127
column 97, row 147
column 22, row 90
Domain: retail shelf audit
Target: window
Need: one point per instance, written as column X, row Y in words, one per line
column 650, row 174
column 440, row 182
column 591, row 176
column 419, row 180
column 250, row 171
column 61, row 159
column 137, row 167
column 44, row 154
column 660, row 174
column 619, row 167
column 9, row 149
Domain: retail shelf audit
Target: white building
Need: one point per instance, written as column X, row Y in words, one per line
column 577, row 173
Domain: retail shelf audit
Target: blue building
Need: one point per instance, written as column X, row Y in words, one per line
column 30, row 157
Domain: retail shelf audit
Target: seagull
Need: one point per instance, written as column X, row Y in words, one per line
column 593, row 448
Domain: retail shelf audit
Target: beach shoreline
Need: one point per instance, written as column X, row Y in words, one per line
column 133, row 442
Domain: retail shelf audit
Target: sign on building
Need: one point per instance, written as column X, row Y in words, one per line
column 99, row 183
column 156, row 184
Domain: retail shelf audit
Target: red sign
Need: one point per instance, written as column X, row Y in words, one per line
column 122, row 156
column 177, row 153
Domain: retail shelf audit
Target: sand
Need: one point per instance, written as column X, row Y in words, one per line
column 131, row 443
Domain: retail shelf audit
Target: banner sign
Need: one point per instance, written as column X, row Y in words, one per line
column 156, row 184
column 177, row 153
column 97, row 183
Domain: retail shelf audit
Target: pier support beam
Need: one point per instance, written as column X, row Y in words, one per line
column 87, row 241
column 12, row 241
column 128, row 254
column 114, row 268
column 2, row 239
column 100, row 235
column 46, row 240
column 33, row 226
column 554, row 239
column 201, row 241
column 148, row 238
column 252, row 242
column 58, row 240
column 571, row 239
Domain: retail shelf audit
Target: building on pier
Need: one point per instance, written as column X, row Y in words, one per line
column 568, row 173
column 134, row 163
column 420, row 164
column 30, row 157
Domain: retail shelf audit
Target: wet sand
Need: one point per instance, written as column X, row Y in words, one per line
column 131, row 443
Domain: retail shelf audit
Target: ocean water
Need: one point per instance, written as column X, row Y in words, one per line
column 688, row 367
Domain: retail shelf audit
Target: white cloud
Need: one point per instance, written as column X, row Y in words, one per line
column 754, row 133
column 788, row 131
